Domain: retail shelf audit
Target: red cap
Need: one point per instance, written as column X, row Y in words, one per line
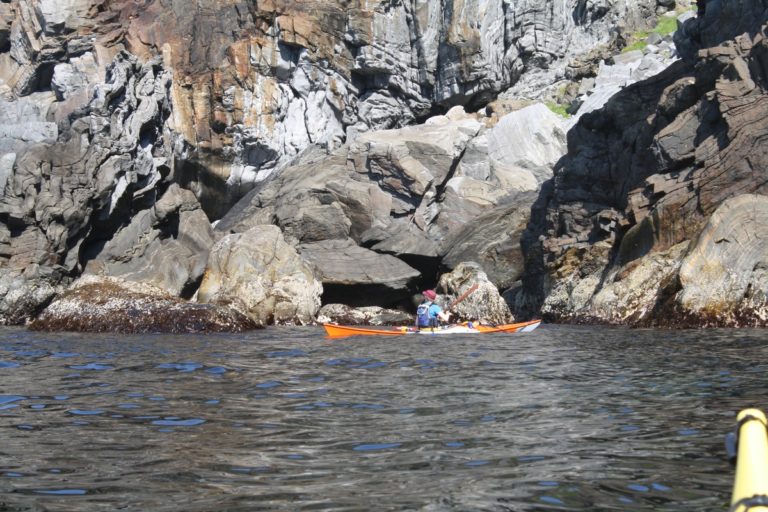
column 430, row 294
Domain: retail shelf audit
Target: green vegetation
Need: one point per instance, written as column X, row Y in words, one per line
column 637, row 45
column 666, row 25
column 557, row 108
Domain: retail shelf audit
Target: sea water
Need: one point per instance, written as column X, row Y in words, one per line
column 563, row 418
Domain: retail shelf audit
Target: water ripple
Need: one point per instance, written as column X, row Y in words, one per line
column 564, row 418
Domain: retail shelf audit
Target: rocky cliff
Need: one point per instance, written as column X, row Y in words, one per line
column 255, row 83
column 387, row 141
column 654, row 217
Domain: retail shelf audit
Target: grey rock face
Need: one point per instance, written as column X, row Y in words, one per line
column 412, row 164
column 609, row 241
column 25, row 122
column 552, row 35
column 42, row 34
column 722, row 20
column 524, row 147
column 283, row 76
column 619, row 296
column 166, row 246
column 322, row 202
column 25, row 293
column 356, row 275
column 315, row 199
column 258, row 274
column 407, row 162
column 63, row 199
column 493, row 241
column 72, row 77
column 417, row 193
column 57, row 16
column 627, row 69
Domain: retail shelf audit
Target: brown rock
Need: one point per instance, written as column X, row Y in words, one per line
column 112, row 305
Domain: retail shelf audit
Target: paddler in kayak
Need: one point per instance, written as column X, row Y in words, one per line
column 429, row 313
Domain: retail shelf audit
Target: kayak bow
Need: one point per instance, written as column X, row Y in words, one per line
column 342, row 331
column 750, row 486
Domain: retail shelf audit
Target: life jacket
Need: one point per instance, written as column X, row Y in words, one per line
column 422, row 315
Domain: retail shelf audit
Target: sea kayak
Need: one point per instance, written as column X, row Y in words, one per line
column 341, row 331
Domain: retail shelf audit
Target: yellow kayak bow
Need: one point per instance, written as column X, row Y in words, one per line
column 750, row 487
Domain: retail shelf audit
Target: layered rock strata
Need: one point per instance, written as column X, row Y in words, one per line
column 616, row 239
column 144, row 122
column 256, row 83
column 64, row 197
column 724, row 276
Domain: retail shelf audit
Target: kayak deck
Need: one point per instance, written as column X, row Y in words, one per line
column 342, row 331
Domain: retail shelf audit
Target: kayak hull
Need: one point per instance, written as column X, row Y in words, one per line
column 342, row 331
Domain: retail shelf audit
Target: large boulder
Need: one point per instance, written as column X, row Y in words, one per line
column 104, row 304
column 412, row 166
column 724, row 277
column 410, row 162
column 482, row 207
column 316, row 198
column 358, row 276
column 263, row 277
column 492, row 239
column 524, row 146
column 166, row 245
column 473, row 295
column 630, row 295
column 25, row 292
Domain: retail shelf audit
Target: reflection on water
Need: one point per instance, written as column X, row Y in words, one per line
column 563, row 418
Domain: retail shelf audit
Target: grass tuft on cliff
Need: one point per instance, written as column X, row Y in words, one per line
column 665, row 26
column 558, row 109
